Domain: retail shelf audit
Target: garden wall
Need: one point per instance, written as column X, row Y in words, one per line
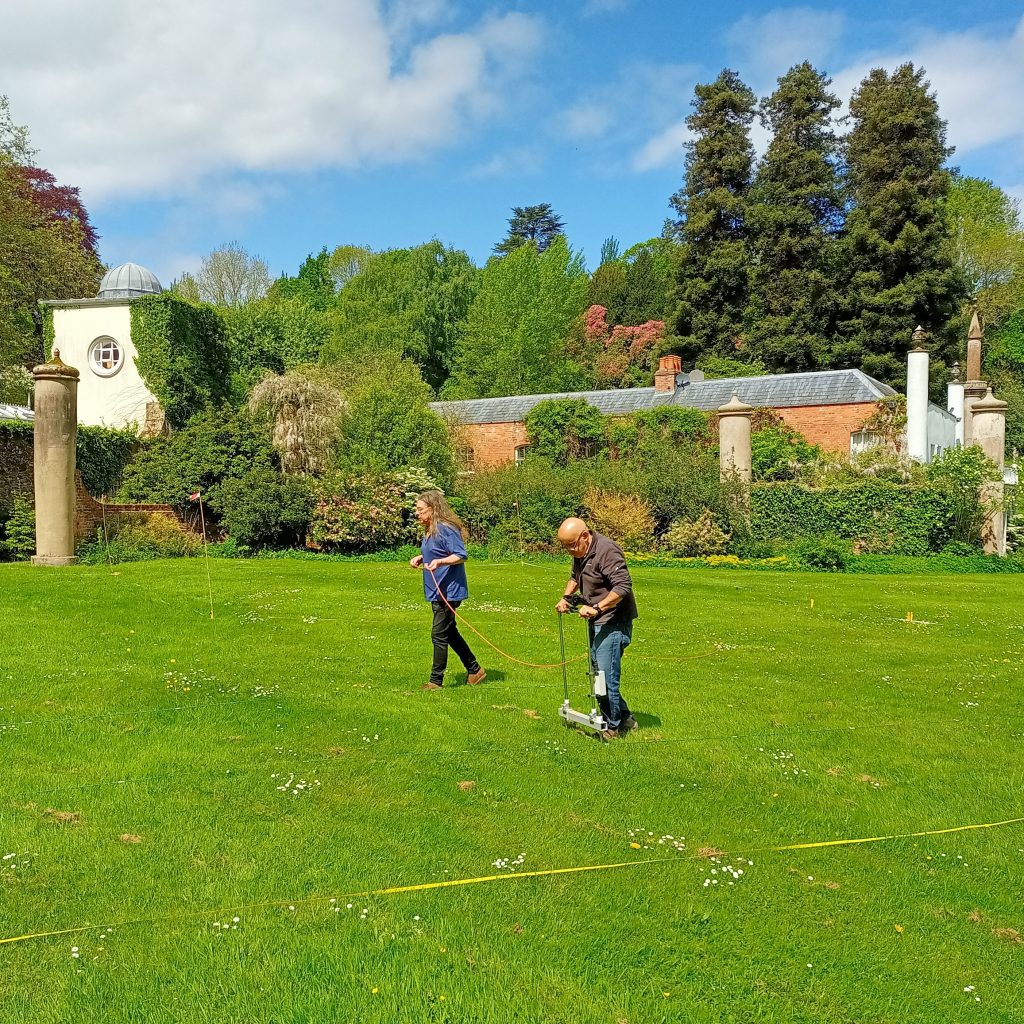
column 15, row 464
column 17, row 475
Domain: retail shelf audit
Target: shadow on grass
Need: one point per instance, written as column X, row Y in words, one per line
column 646, row 721
column 494, row 675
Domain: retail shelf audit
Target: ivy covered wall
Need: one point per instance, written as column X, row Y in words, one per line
column 183, row 354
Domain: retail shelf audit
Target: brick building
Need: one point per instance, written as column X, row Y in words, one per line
column 828, row 407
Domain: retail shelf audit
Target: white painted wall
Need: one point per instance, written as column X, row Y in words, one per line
column 115, row 401
column 941, row 431
column 917, row 405
column 955, row 404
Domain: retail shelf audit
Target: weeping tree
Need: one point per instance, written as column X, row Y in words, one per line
column 305, row 408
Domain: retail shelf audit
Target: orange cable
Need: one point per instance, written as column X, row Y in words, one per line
column 553, row 664
column 493, row 646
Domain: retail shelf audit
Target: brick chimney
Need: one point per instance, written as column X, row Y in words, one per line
column 665, row 377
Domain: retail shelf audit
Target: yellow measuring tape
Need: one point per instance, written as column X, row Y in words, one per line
column 453, row 882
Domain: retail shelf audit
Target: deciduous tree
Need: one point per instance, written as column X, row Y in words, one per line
column 513, row 341
column 229, row 276
column 988, row 246
column 410, row 302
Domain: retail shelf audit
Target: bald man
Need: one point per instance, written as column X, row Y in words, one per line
column 600, row 574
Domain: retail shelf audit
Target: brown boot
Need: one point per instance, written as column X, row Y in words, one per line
column 431, row 686
column 476, row 677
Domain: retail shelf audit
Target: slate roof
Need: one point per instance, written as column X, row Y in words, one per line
column 778, row 391
column 16, row 412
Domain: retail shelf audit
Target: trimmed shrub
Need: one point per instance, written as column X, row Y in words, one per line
column 102, row 454
column 264, row 508
column 877, row 516
column 961, row 549
column 826, row 554
column 625, row 518
column 695, row 538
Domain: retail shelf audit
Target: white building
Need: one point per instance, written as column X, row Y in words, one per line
column 95, row 336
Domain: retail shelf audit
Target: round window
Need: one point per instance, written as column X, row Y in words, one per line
column 105, row 357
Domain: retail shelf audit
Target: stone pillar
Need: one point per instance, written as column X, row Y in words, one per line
column 990, row 436
column 975, row 388
column 955, row 402
column 56, row 429
column 917, row 399
column 734, row 440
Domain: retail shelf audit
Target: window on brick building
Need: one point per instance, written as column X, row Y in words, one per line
column 521, row 453
column 862, row 440
column 465, row 456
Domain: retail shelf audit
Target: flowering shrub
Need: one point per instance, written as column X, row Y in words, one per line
column 697, row 538
column 358, row 515
column 622, row 356
column 625, row 518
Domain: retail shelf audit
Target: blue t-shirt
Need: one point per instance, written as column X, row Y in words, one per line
column 451, row 579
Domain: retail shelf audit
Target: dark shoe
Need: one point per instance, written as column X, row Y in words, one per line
column 431, row 686
column 476, row 677
column 628, row 725
column 608, row 735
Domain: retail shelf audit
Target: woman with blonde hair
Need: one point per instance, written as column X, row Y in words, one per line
column 443, row 561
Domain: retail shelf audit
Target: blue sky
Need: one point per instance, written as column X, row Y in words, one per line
column 290, row 126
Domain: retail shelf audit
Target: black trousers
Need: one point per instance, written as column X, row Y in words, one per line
column 445, row 633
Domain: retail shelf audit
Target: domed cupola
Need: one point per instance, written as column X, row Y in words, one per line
column 128, row 281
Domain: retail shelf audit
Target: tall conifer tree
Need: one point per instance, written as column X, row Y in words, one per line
column 795, row 210
column 644, row 299
column 713, row 280
column 896, row 265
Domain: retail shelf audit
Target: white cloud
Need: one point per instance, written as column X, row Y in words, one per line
column 520, row 161
column 154, row 98
column 664, row 148
column 978, row 77
column 587, row 120
column 638, row 103
column 1016, row 192
column 770, row 44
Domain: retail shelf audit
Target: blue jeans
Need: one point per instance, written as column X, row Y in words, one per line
column 608, row 643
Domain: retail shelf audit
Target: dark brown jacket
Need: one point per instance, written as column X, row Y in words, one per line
column 600, row 571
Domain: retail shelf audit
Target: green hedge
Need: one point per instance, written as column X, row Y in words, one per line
column 101, row 455
column 183, row 354
column 879, row 517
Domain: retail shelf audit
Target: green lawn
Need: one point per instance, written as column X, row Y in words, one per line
column 164, row 740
